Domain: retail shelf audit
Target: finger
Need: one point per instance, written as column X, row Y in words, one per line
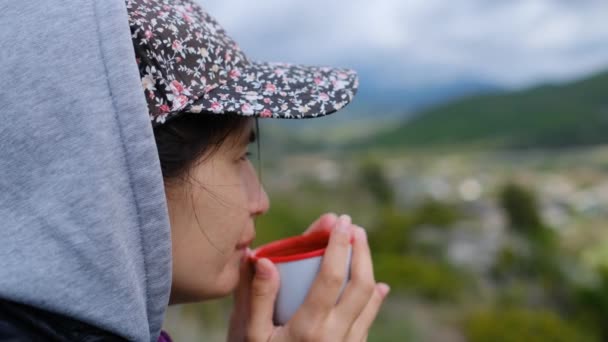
column 325, row 222
column 240, row 308
column 360, row 328
column 264, row 290
column 241, row 294
column 325, row 289
column 360, row 288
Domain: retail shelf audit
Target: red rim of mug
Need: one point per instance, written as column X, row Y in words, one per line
column 293, row 248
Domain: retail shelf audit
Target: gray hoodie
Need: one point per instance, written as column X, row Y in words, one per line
column 84, row 229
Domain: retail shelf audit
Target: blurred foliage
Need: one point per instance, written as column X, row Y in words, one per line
column 211, row 313
column 436, row 213
column 418, row 275
column 521, row 208
column 518, row 324
column 391, row 232
column 537, row 266
column 392, row 325
column 373, row 179
column 592, row 304
column 523, row 212
column 393, row 227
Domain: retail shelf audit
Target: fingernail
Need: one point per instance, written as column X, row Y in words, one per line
column 384, row 289
column 362, row 234
column 343, row 223
column 262, row 269
column 333, row 219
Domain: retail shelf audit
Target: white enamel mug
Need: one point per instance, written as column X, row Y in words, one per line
column 298, row 260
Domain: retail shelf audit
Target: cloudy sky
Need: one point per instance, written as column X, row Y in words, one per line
column 512, row 43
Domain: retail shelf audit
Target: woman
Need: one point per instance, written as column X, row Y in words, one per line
column 108, row 219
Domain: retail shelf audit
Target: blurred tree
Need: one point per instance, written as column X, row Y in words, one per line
column 435, row 213
column 372, row 178
column 542, row 265
column 518, row 324
column 391, row 232
column 422, row 276
column 521, row 208
column 593, row 304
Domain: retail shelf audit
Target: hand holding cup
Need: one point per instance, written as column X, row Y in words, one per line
column 330, row 310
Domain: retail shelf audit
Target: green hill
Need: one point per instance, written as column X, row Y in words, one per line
column 548, row 116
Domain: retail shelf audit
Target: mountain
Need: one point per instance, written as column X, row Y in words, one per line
column 375, row 108
column 416, row 97
column 547, row 116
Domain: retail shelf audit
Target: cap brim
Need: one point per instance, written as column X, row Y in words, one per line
column 280, row 90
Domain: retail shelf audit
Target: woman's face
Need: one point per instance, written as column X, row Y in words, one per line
column 212, row 220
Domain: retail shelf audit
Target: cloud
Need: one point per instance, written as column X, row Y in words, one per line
column 515, row 43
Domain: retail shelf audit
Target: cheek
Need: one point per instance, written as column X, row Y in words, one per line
column 221, row 209
column 205, row 258
column 201, row 272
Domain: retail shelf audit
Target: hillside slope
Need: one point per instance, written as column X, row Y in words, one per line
column 547, row 116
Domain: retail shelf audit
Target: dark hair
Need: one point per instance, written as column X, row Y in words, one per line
column 183, row 140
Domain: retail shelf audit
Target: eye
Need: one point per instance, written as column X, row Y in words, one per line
column 245, row 156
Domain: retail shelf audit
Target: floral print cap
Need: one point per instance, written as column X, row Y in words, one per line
column 188, row 64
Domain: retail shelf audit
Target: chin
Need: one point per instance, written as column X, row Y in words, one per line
column 206, row 286
column 225, row 284
column 220, row 289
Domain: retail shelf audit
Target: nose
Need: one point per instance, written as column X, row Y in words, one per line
column 256, row 194
column 260, row 203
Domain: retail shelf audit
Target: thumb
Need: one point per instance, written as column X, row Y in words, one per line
column 241, row 294
column 240, row 310
column 264, row 291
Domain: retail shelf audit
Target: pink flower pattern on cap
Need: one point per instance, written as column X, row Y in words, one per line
column 188, row 64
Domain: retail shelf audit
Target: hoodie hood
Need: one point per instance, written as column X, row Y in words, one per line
column 85, row 228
